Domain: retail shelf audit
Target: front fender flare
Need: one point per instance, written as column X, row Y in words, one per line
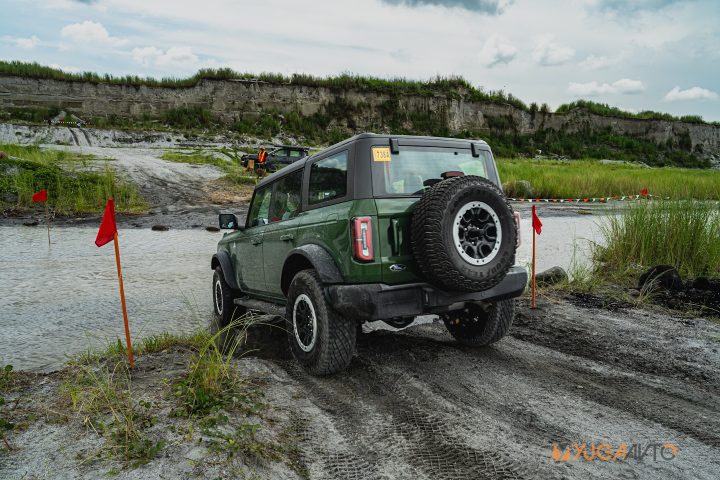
column 222, row 259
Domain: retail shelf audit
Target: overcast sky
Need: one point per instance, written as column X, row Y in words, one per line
column 645, row 54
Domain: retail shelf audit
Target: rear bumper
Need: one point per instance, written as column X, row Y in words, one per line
column 378, row 301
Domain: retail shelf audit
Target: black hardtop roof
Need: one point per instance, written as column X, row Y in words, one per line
column 361, row 136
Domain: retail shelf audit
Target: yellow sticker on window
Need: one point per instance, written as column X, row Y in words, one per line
column 381, row 154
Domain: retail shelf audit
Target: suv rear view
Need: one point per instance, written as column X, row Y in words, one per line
column 375, row 228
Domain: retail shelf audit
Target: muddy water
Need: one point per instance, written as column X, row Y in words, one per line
column 560, row 240
column 60, row 299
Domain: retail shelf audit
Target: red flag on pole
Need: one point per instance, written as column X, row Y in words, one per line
column 40, row 196
column 536, row 223
column 537, row 228
column 108, row 233
column 108, row 227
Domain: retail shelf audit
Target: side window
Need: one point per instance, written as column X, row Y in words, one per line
column 286, row 197
column 328, row 178
column 260, row 208
column 296, row 153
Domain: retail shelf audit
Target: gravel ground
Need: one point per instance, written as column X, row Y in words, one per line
column 414, row 404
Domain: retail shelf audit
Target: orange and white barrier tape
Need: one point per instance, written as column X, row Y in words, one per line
column 623, row 198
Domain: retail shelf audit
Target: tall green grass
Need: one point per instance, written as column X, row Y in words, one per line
column 71, row 188
column 591, row 178
column 684, row 234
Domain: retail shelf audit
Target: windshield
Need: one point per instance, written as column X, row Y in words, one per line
column 414, row 169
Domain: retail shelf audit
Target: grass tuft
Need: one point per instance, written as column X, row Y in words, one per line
column 684, row 234
column 103, row 397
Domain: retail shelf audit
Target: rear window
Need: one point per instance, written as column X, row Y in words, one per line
column 328, row 179
column 414, row 169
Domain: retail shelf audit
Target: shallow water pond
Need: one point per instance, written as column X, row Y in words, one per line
column 58, row 300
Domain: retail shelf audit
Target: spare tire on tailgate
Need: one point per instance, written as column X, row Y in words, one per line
column 464, row 234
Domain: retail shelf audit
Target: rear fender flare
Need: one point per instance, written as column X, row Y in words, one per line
column 310, row 256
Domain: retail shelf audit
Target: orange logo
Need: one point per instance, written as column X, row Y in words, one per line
column 607, row 452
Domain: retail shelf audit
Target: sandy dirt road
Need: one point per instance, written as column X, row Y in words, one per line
column 416, row 405
column 180, row 195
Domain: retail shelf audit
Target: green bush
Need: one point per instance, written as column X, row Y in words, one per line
column 188, row 118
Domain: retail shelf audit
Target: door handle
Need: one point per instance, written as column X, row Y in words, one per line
column 256, row 241
column 287, row 237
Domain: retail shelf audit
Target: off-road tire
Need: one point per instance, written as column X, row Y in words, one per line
column 335, row 335
column 432, row 235
column 224, row 337
column 478, row 325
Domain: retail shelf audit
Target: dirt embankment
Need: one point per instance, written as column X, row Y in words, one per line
column 416, row 405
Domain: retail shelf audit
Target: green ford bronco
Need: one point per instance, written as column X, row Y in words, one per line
column 375, row 228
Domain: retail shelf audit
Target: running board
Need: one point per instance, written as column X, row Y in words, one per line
column 261, row 306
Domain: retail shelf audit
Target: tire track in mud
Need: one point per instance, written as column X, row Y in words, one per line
column 574, row 341
column 694, row 414
column 415, row 404
column 398, row 433
column 649, row 384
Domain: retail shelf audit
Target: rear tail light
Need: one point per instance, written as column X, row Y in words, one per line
column 519, row 231
column 362, row 239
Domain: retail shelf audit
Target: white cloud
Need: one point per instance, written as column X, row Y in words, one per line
column 30, row 42
column 172, row 57
column 694, row 93
column 628, row 86
column 89, row 33
column 590, row 89
column 549, row 53
column 66, row 68
column 599, row 62
column 497, row 50
column 593, row 89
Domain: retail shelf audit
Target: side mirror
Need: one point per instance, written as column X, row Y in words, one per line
column 228, row 221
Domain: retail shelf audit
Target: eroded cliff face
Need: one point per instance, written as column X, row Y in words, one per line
column 232, row 100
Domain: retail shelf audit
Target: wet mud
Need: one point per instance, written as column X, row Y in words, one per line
column 415, row 404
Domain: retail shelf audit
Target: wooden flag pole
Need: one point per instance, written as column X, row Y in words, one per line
column 533, row 269
column 47, row 219
column 122, row 300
